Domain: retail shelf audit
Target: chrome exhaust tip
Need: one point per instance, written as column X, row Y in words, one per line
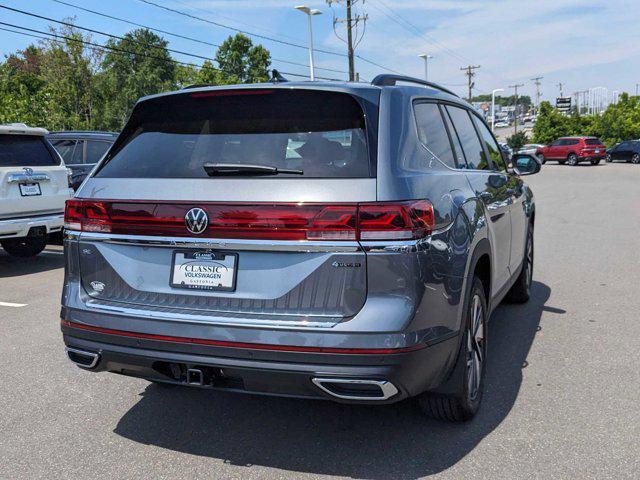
column 356, row 389
column 82, row 358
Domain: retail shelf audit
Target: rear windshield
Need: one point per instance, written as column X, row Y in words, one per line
column 321, row 133
column 593, row 141
column 25, row 151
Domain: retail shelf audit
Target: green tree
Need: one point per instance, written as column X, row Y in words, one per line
column 139, row 66
column 517, row 140
column 67, row 71
column 550, row 124
column 240, row 61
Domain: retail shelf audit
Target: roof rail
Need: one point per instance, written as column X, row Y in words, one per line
column 389, row 80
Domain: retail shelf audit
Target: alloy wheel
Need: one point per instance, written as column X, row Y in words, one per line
column 572, row 160
column 476, row 348
column 636, row 158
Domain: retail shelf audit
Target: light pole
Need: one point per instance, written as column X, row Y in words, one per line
column 310, row 12
column 493, row 105
column 426, row 64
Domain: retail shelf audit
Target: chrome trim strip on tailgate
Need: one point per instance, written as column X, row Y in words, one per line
column 219, row 318
column 220, row 244
column 25, row 177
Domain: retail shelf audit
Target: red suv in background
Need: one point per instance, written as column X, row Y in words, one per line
column 573, row 150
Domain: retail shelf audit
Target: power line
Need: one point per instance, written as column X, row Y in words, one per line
column 118, row 51
column 244, row 32
column 69, row 24
column 469, row 72
column 352, row 25
column 102, row 47
column 407, row 25
column 264, row 37
column 515, row 101
column 537, row 83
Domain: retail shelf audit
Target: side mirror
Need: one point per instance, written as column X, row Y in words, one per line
column 524, row 164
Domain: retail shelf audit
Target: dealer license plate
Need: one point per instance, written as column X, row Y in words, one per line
column 204, row 270
column 30, row 189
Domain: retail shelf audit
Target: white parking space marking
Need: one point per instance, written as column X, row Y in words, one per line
column 14, row 305
column 53, row 252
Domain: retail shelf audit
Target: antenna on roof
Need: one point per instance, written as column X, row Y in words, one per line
column 276, row 77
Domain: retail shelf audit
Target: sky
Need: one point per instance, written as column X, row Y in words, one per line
column 581, row 43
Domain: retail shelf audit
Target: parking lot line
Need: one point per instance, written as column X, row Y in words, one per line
column 15, row 305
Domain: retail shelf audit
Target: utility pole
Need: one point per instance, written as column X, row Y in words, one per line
column 353, row 37
column 559, row 85
column 515, row 119
column 469, row 72
column 537, row 82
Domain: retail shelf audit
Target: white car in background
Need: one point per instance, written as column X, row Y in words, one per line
column 502, row 124
column 34, row 186
column 531, row 149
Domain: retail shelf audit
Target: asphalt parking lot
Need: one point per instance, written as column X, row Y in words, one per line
column 561, row 397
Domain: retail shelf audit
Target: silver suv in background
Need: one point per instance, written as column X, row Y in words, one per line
column 34, row 184
column 321, row 240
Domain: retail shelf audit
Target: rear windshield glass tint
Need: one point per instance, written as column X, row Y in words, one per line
column 593, row 141
column 25, row 151
column 321, row 133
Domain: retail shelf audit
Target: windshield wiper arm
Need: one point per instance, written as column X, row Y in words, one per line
column 233, row 169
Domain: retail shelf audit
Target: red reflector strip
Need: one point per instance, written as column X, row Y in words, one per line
column 243, row 345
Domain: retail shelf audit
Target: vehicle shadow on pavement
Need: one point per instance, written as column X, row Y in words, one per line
column 16, row 267
column 325, row 438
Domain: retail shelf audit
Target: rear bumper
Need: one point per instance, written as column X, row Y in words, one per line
column 270, row 372
column 19, row 227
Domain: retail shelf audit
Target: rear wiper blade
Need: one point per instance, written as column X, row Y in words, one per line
column 233, row 169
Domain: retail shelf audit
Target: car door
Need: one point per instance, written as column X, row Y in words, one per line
column 624, row 151
column 553, row 151
column 491, row 187
column 513, row 189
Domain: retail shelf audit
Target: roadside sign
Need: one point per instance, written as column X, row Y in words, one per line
column 563, row 104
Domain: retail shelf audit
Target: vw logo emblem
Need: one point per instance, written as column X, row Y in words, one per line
column 196, row 220
column 28, row 171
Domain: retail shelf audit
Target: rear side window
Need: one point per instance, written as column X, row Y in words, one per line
column 321, row 133
column 432, row 132
column 64, row 148
column 491, row 144
column 95, row 150
column 471, row 145
column 572, row 142
column 593, row 141
column 25, row 151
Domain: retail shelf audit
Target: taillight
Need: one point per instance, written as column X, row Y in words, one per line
column 366, row 221
column 395, row 221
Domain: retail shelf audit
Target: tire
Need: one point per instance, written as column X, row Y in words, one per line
column 25, row 246
column 521, row 290
column 468, row 373
column 635, row 159
column 572, row 159
column 608, row 158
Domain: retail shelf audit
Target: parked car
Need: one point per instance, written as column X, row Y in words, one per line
column 573, row 150
column 81, row 150
column 502, row 124
column 319, row 240
column 532, row 149
column 34, row 184
column 628, row 151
